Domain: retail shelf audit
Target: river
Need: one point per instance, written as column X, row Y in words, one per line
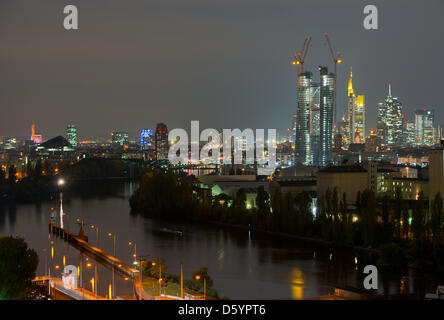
column 243, row 264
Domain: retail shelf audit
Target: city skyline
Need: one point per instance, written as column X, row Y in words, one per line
column 239, row 78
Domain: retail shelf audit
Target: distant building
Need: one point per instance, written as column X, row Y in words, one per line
column 410, row 134
column 326, row 116
column 436, row 171
column 393, row 120
column 146, row 140
column 424, row 124
column 161, row 141
column 71, row 135
column 55, row 148
column 38, row 139
column 356, row 114
column 315, row 124
column 348, row 179
column 119, row 138
column 303, row 119
column 373, row 142
column 381, row 130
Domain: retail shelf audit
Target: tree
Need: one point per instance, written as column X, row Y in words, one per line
column 368, row 214
column 38, row 168
column 397, row 209
column 11, row 175
column 436, row 219
column 201, row 274
column 418, row 221
column 18, row 264
column 262, row 201
column 155, row 269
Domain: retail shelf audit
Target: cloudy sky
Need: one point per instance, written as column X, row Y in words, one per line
column 226, row 63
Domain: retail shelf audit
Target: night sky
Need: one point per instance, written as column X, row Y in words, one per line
column 226, row 63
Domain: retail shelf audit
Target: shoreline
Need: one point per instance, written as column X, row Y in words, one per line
column 283, row 235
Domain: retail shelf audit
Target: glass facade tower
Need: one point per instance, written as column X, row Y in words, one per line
column 71, row 135
column 326, row 115
column 303, row 119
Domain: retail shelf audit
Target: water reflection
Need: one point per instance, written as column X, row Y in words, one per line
column 297, row 284
column 243, row 264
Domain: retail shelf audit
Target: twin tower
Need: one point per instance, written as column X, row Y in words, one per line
column 314, row 125
column 314, row 118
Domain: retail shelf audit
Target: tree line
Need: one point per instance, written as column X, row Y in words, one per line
column 395, row 225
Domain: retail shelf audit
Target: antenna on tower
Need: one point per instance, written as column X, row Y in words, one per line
column 390, row 89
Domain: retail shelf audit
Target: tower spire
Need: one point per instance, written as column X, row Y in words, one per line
column 350, row 82
column 390, row 89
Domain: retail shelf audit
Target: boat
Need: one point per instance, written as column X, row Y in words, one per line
column 178, row 232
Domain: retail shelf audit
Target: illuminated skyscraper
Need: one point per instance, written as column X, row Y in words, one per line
column 161, row 141
column 356, row 114
column 381, row 123
column 71, row 135
column 303, row 119
column 119, row 138
column 393, row 120
column 315, row 123
column 410, row 134
column 424, row 124
column 146, row 139
column 326, row 115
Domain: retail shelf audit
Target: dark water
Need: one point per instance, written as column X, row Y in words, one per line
column 243, row 265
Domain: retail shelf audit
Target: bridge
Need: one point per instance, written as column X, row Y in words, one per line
column 81, row 243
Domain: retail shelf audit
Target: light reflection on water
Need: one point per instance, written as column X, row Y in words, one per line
column 243, row 264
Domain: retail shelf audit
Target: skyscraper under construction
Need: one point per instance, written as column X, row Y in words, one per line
column 327, row 91
column 303, row 119
column 314, row 120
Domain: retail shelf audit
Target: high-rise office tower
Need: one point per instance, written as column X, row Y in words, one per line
column 146, row 139
column 393, row 120
column 356, row 114
column 424, row 123
column 161, row 141
column 410, row 133
column 71, row 135
column 326, row 115
column 315, row 123
column 293, row 129
column 381, row 122
column 303, row 119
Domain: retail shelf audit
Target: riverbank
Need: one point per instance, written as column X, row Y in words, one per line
column 290, row 236
column 283, row 235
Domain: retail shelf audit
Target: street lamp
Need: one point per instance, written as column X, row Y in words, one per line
column 205, row 285
column 61, row 183
column 114, row 272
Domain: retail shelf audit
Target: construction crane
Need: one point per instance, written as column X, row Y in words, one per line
column 336, row 59
column 299, row 57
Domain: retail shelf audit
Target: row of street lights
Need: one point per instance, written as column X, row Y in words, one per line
column 61, row 183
